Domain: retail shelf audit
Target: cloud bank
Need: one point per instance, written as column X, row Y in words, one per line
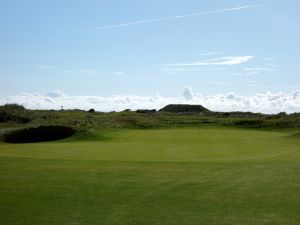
column 263, row 102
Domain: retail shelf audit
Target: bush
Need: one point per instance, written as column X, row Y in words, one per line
column 146, row 111
column 14, row 113
column 249, row 123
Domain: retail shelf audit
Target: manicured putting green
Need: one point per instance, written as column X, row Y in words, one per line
column 172, row 145
column 169, row 177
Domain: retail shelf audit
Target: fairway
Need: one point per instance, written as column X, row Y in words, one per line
column 183, row 176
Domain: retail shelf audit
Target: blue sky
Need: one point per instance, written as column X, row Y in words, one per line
column 132, row 47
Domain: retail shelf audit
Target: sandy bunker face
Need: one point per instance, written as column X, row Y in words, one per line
column 39, row 134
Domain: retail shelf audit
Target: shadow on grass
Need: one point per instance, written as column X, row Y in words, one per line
column 39, row 134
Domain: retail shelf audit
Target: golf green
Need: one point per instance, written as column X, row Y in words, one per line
column 184, row 176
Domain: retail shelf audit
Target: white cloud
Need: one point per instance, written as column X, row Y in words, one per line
column 211, row 53
column 180, row 69
column 259, row 69
column 118, row 72
column 55, row 94
column 174, row 17
column 188, row 93
column 227, row 61
column 217, row 83
column 262, row 102
column 45, row 67
column 269, row 59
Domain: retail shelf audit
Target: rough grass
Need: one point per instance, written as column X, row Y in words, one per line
column 81, row 120
column 151, row 177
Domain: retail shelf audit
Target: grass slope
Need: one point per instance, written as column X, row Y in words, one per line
column 149, row 177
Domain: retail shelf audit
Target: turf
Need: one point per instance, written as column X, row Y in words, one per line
column 186, row 176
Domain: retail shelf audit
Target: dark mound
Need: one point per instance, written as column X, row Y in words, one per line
column 184, row 108
column 13, row 113
column 39, row 134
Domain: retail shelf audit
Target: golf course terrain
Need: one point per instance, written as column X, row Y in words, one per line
column 150, row 112
column 184, row 175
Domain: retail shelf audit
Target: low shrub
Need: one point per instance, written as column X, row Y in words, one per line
column 14, row 113
column 249, row 123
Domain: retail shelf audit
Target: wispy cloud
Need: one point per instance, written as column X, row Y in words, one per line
column 211, row 53
column 217, row 83
column 250, row 82
column 160, row 19
column 118, row 72
column 179, row 69
column 44, row 67
column 227, row 61
column 269, row 58
column 93, row 72
column 259, row 69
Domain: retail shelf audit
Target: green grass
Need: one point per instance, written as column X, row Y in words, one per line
column 186, row 176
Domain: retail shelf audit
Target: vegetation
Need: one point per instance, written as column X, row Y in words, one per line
column 81, row 120
column 183, row 108
column 14, row 113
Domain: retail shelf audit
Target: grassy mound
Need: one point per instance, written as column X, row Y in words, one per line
column 183, row 108
column 39, row 134
column 14, row 113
